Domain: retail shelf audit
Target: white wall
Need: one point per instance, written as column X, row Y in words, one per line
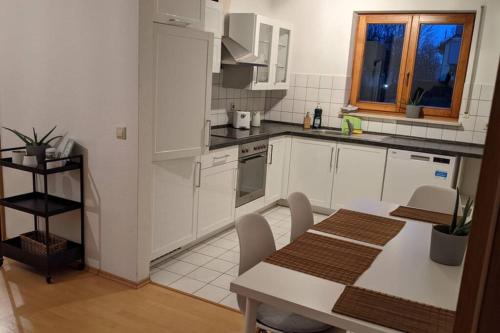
column 74, row 64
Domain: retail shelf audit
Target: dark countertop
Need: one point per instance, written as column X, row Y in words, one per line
column 270, row 129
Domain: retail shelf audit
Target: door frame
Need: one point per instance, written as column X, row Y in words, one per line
column 478, row 307
column 3, row 234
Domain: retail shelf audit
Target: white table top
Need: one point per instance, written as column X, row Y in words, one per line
column 403, row 269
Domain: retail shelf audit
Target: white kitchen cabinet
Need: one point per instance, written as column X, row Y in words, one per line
column 277, row 168
column 266, row 38
column 214, row 23
column 182, row 76
column 311, row 170
column 359, row 173
column 185, row 13
column 173, row 205
column 216, row 190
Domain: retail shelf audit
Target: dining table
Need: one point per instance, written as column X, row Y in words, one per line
column 403, row 269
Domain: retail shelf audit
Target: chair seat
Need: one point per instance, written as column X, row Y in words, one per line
column 287, row 321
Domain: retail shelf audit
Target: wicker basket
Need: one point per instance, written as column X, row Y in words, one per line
column 35, row 242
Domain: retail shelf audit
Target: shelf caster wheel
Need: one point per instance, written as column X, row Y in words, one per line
column 81, row 266
column 49, row 280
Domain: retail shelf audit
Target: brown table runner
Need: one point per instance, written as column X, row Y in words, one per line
column 393, row 312
column 361, row 226
column 422, row 215
column 325, row 257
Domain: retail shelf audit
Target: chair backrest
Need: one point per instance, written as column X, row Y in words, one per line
column 256, row 243
column 434, row 198
column 301, row 213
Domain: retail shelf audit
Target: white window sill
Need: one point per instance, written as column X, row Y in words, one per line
column 403, row 120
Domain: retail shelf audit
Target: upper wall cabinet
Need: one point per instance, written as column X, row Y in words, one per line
column 268, row 39
column 186, row 13
column 214, row 23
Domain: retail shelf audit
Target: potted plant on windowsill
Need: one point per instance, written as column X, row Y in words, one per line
column 413, row 109
column 34, row 146
column 448, row 242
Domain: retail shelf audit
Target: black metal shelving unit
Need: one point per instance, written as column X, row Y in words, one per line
column 41, row 204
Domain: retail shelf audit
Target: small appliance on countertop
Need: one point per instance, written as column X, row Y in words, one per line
column 241, row 119
column 256, row 119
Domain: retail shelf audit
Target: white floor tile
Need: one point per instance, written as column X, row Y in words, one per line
column 232, row 237
column 212, row 293
column 233, row 271
column 187, row 285
column 210, row 250
column 204, row 274
column 284, row 239
column 224, row 243
column 230, row 256
column 164, row 277
column 231, row 301
column 196, row 259
column 223, row 281
column 179, row 267
column 219, row 265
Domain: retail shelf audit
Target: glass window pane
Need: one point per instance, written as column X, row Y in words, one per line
column 381, row 62
column 436, row 63
column 265, row 40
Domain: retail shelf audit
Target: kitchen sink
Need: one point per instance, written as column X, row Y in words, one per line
column 363, row 136
column 327, row 132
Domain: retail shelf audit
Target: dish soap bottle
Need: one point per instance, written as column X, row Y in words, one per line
column 317, row 117
column 307, row 121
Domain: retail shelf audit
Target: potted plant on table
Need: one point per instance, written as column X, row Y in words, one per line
column 413, row 109
column 448, row 242
column 34, row 145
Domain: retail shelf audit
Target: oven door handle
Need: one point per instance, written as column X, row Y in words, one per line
column 243, row 161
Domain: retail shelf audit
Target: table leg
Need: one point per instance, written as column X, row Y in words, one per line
column 251, row 316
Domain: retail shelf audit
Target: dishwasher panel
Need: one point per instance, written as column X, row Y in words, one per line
column 407, row 170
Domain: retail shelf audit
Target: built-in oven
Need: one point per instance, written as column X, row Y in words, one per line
column 252, row 167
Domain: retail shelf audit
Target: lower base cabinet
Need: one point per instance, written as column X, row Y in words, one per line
column 359, row 173
column 278, row 159
column 311, row 169
column 216, row 194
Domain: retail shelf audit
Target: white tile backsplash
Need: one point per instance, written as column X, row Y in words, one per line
column 332, row 92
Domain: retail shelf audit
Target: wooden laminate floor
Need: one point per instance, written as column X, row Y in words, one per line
column 84, row 302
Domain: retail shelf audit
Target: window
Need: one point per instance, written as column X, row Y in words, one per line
column 398, row 55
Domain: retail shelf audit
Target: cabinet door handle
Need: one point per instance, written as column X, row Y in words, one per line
column 337, row 160
column 178, row 22
column 331, row 158
column 209, row 133
column 198, row 182
column 271, row 155
column 221, row 157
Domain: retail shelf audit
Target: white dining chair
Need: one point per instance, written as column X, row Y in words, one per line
column 434, row 198
column 257, row 243
column 301, row 213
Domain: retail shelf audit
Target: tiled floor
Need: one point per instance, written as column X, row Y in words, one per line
column 207, row 269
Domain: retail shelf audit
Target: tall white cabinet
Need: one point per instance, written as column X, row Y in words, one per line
column 311, row 169
column 359, row 173
column 266, row 38
column 185, row 13
column 182, row 79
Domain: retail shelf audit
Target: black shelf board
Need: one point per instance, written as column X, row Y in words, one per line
column 34, row 203
column 11, row 248
column 40, row 169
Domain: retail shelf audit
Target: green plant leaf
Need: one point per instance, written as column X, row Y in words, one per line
column 26, row 139
column 35, row 137
column 47, row 135
column 454, row 221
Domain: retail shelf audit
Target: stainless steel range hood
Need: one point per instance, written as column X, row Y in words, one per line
column 233, row 53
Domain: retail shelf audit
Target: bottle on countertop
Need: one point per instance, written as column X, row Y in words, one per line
column 317, row 117
column 307, row 121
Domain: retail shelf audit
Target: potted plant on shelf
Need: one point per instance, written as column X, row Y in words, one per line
column 413, row 109
column 35, row 146
column 448, row 242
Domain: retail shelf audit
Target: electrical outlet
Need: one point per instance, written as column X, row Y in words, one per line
column 121, row 133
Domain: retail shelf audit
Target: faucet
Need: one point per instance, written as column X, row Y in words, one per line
column 350, row 127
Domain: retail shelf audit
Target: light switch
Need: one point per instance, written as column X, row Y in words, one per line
column 121, row 133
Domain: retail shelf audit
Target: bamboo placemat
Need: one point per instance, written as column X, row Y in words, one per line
column 363, row 227
column 422, row 215
column 325, row 257
column 393, row 312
